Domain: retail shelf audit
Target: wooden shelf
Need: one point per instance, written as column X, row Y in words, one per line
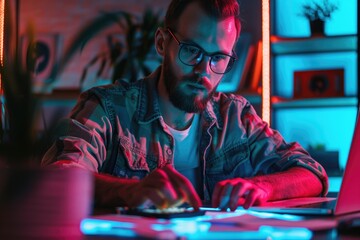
column 278, row 103
column 59, row 97
column 341, row 43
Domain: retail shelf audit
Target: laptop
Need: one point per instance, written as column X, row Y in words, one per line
column 347, row 201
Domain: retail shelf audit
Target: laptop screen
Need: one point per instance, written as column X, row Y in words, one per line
column 349, row 195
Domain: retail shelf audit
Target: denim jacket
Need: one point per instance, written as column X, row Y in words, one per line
column 118, row 129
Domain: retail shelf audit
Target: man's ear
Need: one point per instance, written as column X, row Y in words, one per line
column 160, row 41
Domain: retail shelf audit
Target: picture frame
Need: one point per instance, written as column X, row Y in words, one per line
column 43, row 52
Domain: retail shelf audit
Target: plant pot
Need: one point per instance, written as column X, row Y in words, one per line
column 44, row 203
column 317, row 28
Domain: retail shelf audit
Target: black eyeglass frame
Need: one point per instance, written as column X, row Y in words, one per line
column 232, row 60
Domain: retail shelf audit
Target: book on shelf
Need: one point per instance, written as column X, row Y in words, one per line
column 233, row 79
column 251, row 81
column 247, row 67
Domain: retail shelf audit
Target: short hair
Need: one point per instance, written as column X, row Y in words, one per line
column 219, row 9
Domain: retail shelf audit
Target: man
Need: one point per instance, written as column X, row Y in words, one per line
column 170, row 138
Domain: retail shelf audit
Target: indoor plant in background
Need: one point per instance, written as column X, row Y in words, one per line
column 317, row 13
column 35, row 203
column 128, row 59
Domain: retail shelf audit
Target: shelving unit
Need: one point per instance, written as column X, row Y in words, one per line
column 313, row 45
column 315, row 120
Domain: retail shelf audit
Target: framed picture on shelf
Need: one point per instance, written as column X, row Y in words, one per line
column 39, row 56
column 319, row 83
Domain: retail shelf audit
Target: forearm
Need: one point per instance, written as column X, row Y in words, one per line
column 112, row 191
column 295, row 182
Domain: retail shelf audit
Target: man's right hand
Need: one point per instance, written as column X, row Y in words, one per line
column 163, row 188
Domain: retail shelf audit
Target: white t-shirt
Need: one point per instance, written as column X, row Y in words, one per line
column 186, row 153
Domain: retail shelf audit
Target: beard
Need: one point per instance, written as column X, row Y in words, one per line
column 188, row 101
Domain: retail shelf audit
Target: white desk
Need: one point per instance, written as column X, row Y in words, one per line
column 242, row 224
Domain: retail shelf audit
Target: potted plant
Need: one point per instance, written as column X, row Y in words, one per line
column 317, row 14
column 18, row 140
column 33, row 201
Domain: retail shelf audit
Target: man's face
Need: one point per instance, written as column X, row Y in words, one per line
column 189, row 92
column 190, row 87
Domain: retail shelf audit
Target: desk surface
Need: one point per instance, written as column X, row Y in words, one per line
column 242, row 224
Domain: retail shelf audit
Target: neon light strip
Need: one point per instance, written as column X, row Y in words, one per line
column 266, row 104
column 2, row 20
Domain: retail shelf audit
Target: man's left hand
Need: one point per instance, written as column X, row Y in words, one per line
column 235, row 192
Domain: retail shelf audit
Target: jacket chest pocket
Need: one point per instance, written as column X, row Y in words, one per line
column 228, row 162
column 134, row 155
column 133, row 161
column 227, row 159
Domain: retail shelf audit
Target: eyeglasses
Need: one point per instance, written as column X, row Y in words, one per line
column 192, row 55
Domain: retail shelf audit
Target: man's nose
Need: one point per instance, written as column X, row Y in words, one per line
column 203, row 66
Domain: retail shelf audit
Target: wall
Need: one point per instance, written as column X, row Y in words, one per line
column 65, row 18
column 289, row 23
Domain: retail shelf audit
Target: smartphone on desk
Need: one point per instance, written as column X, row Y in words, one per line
column 161, row 213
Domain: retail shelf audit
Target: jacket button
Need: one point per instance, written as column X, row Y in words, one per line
column 169, row 152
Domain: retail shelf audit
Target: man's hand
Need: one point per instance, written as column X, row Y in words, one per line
column 292, row 183
column 232, row 193
column 163, row 188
